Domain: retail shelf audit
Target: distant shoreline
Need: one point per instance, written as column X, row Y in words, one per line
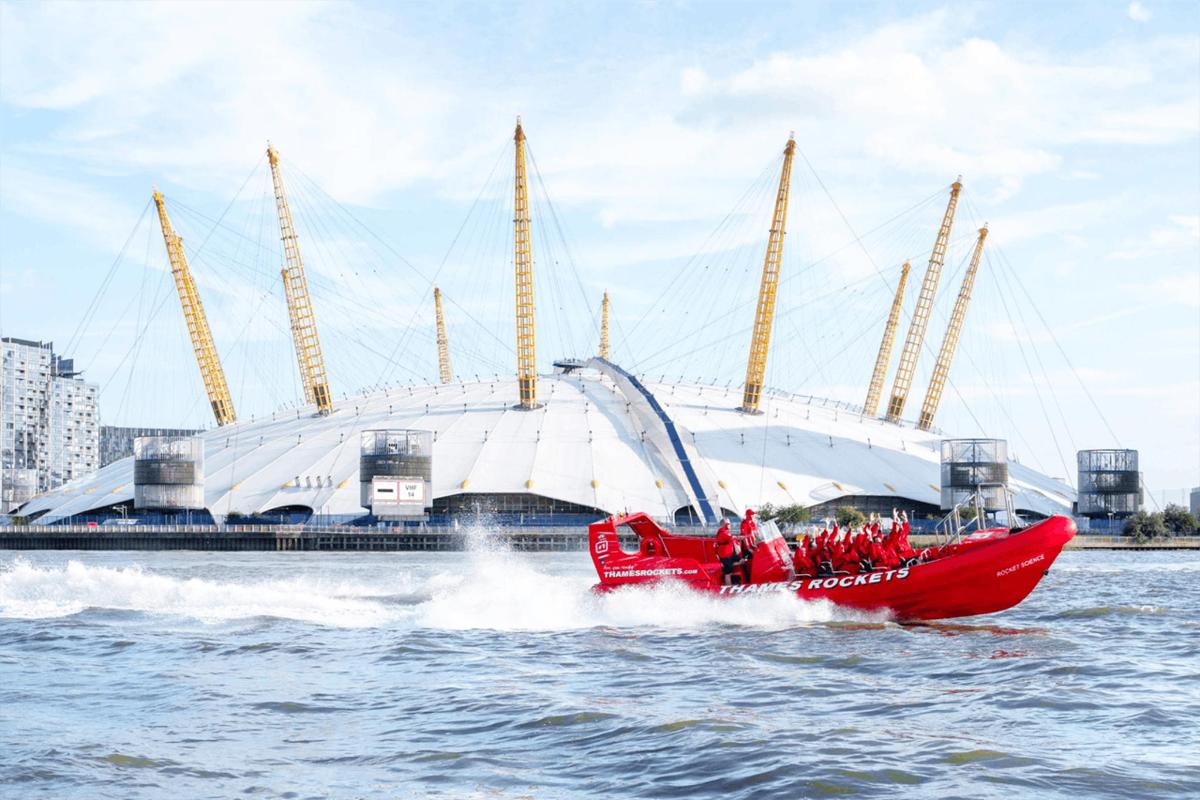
column 430, row 539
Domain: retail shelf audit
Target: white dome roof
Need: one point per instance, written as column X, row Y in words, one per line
column 596, row 441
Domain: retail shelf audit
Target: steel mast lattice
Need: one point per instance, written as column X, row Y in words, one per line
column 604, row 327
column 920, row 321
column 764, row 315
column 299, row 303
column 875, row 389
column 197, row 322
column 445, row 374
column 941, row 370
column 523, row 265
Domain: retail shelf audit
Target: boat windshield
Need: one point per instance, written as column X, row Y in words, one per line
column 768, row 530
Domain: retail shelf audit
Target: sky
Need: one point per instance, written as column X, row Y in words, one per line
column 656, row 131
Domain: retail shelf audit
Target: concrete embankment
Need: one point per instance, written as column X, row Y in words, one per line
column 1091, row 542
column 284, row 538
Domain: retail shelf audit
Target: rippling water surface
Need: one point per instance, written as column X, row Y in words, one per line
column 495, row 675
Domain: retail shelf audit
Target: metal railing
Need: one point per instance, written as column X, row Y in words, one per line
column 951, row 527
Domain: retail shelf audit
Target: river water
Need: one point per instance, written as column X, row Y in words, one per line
column 495, row 675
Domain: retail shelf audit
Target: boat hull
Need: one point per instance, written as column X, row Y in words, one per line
column 982, row 576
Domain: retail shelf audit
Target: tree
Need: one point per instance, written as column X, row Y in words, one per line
column 785, row 516
column 1178, row 521
column 1143, row 527
column 849, row 517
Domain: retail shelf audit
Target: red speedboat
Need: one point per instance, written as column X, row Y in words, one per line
column 981, row 573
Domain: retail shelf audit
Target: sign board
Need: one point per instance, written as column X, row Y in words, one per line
column 398, row 497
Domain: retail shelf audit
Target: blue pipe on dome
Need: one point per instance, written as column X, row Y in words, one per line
column 676, row 442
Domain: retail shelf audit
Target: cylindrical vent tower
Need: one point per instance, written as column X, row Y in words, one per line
column 395, row 472
column 970, row 465
column 1109, row 483
column 168, row 472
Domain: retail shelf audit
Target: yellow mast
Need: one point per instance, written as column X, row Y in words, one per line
column 764, row 315
column 941, row 371
column 197, row 323
column 871, row 405
column 445, row 374
column 300, row 309
column 604, row 328
column 920, row 321
column 523, row 264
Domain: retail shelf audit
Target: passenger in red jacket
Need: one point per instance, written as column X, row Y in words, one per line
column 802, row 563
column 824, row 560
column 842, row 559
column 901, row 528
column 862, row 551
column 726, row 553
column 749, row 525
column 749, row 541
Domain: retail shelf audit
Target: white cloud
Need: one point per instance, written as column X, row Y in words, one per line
column 924, row 99
column 193, row 95
column 1180, row 234
column 1169, row 290
column 693, row 81
column 93, row 214
column 1056, row 220
column 193, row 91
column 1138, row 12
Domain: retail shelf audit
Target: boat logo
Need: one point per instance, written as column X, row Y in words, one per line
column 835, row 582
column 1027, row 562
column 662, row 572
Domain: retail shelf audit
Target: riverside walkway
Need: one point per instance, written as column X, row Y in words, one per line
column 407, row 539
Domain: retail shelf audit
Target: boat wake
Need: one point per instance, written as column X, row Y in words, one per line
column 39, row 592
column 493, row 589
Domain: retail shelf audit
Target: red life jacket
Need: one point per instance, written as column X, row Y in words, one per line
column 878, row 557
column 861, row 550
column 724, row 543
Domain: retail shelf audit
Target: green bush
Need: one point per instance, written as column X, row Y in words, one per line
column 1144, row 526
column 849, row 517
column 1179, row 521
column 1175, row 520
column 785, row 516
